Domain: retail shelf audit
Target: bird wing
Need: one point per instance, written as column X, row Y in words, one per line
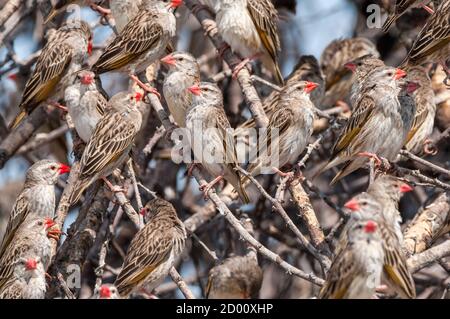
column 139, row 36
column 112, row 136
column 395, row 265
column 419, row 118
column 150, row 248
column 101, row 103
column 434, row 35
column 19, row 213
column 340, row 275
column 50, row 68
column 264, row 16
column 355, row 124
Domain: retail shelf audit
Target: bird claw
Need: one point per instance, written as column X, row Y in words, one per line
column 102, row 11
column 54, row 233
column 205, row 188
column 429, row 148
column 210, row 27
column 191, row 168
column 59, row 106
column 239, row 67
column 145, row 87
column 225, row 46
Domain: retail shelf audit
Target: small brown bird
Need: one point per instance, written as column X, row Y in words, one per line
column 153, row 250
column 423, row 124
column 237, row 277
column 395, row 267
column 31, row 238
column 376, row 127
column 111, row 142
column 433, row 42
column 143, row 40
column 401, row 6
column 37, row 198
column 361, row 68
column 184, row 72
column 26, row 280
column 290, row 128
column 332, row 61
column 250, row 29
column 60, row 59
column 216, row 149
column 85, row 103
column 356, row 269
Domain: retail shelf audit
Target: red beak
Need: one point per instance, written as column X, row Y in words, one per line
column 138, row 97
column 352, row 204
column 87, row 80
column 176, row 3
column 370, row 227
column 195, row 90
column 31, row 264
column 399, row 73
column 169, row 60
column 90, row 47
column 310, row 86
column 63, row 169
column 350, row 66
column 405, row 188
column 142, row 211
column 49, row 223
column 12, row 76
column 105, row 292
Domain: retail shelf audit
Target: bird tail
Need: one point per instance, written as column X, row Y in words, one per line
column 388, row 23
column 18, row 119
column 78, row 189
column 278, row 74
column 51, row 15
column 349, row 168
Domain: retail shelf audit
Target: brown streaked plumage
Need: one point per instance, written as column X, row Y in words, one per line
column 153, row 250
column 56, row 67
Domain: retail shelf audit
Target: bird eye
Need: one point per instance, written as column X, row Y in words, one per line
column 390, row 74
column 53, row 167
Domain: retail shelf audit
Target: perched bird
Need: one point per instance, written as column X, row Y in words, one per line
column 292, row 124
column 361, row 67
column 26, row 280
column 423, row 124
column 184, row 72
column 332, row 61
column 85, row 103
column 307, row 69
column 56, row 67
column 111, row 141
column 106, row 291
column 376, row 127
column 237, row 277
column 142, row 41
column 395, row 268
column 153, row 250
column 31, row 238
column 37, row 198
column 433, row 42
column 250, row 28
column 401, row 6
column 63, row 5
column 356, row 270
column 216, row 149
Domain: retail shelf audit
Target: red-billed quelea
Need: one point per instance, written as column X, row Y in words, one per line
column 356, row 270
column 37, row 198
column 26, row 280
column 60, row 59
column 250, row 29
column 153, row 250
column 401, row 6
column 143, row 40
column 32, row 237
column 433, row 42
column 184, row 72
column 423, row 124
column 211, row 141
column 395, row 267
column 111, row 141
column 332, row 61
column 85, row 103
column 292, row 124
column 375, row 128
